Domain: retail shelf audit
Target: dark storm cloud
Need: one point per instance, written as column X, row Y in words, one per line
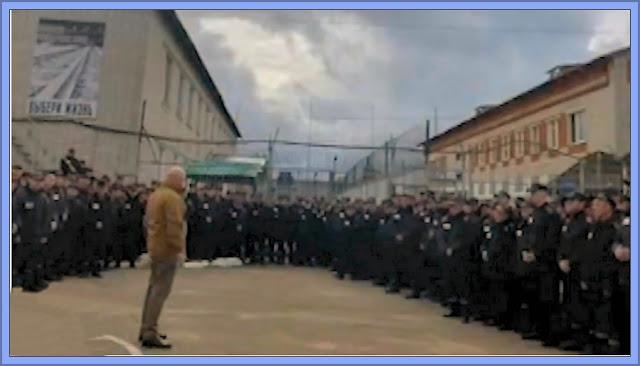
column 392, row 66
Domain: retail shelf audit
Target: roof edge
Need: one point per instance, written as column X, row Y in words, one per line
column 191, row 53
column 537, row 88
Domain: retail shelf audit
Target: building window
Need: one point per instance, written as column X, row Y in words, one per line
column 482, row 154
column 520, row 143
column 167, row 80
column 481, row 188
column 205, row 121
column 205, row 129
column 213, row 127
column 535, row 139
column 553, row 135
column 578, row 131
column 199, row 123
column 474, row 156
column 190, row 106
column 180, row 100
column 494, row 151
column 506, row 147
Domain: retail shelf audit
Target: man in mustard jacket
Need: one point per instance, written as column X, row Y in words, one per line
column 166, row 244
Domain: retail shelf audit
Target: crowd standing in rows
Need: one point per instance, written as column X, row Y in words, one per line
column 557, row 271
column 72, row 226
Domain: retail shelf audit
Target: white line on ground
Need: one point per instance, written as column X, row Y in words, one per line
column 133, row 350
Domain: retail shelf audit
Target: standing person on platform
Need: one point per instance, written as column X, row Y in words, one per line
column 166, row 244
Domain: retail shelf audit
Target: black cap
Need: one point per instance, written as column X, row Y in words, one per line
column 16, row 166
column 459, row 201
column 607, row 199
column 577, row 196
column 538, row 187
column 502, row 194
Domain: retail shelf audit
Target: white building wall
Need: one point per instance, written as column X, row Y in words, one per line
column 118, row 95
column 133, row 66
column 162, row 114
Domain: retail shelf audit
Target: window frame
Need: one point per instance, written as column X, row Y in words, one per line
column 553, row 140
column 519, row 143
column 493, row 157
column 190, row 105
column 168, row 75
column 506, row 147
column 180, row 96
column 534, row 134
column 583, row 137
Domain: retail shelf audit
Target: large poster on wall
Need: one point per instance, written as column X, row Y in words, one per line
column 66, row 68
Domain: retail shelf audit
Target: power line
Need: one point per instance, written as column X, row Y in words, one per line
column 211, row 142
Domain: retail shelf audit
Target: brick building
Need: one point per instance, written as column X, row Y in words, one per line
column 571, row 132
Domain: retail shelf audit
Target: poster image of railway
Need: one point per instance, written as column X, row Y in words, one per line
column 66, row 68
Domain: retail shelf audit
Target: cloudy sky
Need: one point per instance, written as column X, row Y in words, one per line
column 358, row 77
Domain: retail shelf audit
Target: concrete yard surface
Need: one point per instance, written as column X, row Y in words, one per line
column 246, row 311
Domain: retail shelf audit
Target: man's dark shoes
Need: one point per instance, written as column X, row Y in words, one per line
column 162, row 336
column 156, row 343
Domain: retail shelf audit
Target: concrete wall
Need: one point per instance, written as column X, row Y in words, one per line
column 133, row 67
column 119, row 88
column 162, row 116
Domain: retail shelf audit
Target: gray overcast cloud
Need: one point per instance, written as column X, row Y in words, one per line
column 275, row 68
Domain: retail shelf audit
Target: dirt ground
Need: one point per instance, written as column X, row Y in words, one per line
column 246, row 311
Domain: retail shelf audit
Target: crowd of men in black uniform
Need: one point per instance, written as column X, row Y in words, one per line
column 553, row 270
column 557, row 271
column 72, row 225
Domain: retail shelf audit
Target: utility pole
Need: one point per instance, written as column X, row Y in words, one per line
column 427, row 137
column 463, row 156
column 333, row 177
column 435, row 120
column 599, row 170
column 269, row 164
column 581, row 178
column 144, row 107
column 386, row 158
column 309, row 138
column 373, row 125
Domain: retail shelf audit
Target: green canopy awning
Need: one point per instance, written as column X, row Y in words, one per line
column 230, row 167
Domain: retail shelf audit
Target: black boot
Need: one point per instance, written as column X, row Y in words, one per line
column 16, row 281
